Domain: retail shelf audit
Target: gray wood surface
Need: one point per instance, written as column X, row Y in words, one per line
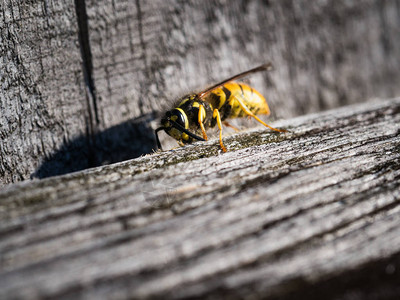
column 42, row 95
column 81, row 81
column 310, row 214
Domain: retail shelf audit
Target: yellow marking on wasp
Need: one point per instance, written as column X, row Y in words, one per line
column 249, row 96
column 220, row 95
column 183, row 101
column 185, row 116
column 200, row 118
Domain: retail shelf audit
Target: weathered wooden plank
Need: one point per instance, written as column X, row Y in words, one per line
column 308, row 214
column 138, row 55
column 326, row 53
column 42, row 98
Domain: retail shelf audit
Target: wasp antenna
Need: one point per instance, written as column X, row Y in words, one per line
column 179, row 127
column 157, row 139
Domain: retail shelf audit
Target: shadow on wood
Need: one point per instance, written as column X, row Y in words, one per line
column 124, row 141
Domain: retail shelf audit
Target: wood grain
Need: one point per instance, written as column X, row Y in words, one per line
column 309, row 214
column 326, row 54
column 42, row 97
column 141, row 54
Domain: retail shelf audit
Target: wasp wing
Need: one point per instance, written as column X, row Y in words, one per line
column 265, row 67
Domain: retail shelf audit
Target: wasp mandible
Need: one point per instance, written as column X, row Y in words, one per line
column 211, row 107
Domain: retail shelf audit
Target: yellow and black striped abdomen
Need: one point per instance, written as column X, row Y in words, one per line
column 225, row 100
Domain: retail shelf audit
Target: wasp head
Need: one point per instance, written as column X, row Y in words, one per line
column 173, row 122
column 176, row 124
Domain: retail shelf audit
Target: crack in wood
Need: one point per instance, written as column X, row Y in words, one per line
column 87, row 67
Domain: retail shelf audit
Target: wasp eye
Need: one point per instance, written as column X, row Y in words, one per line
column 178, row 117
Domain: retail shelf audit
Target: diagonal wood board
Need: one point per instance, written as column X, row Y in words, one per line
column 313, row 213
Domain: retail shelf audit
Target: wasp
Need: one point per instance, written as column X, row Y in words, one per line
column 224, row 100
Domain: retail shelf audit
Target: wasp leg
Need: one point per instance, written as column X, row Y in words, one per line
column 227, row 124
column 200, row 118
column 218, row 117
column 249, row 113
